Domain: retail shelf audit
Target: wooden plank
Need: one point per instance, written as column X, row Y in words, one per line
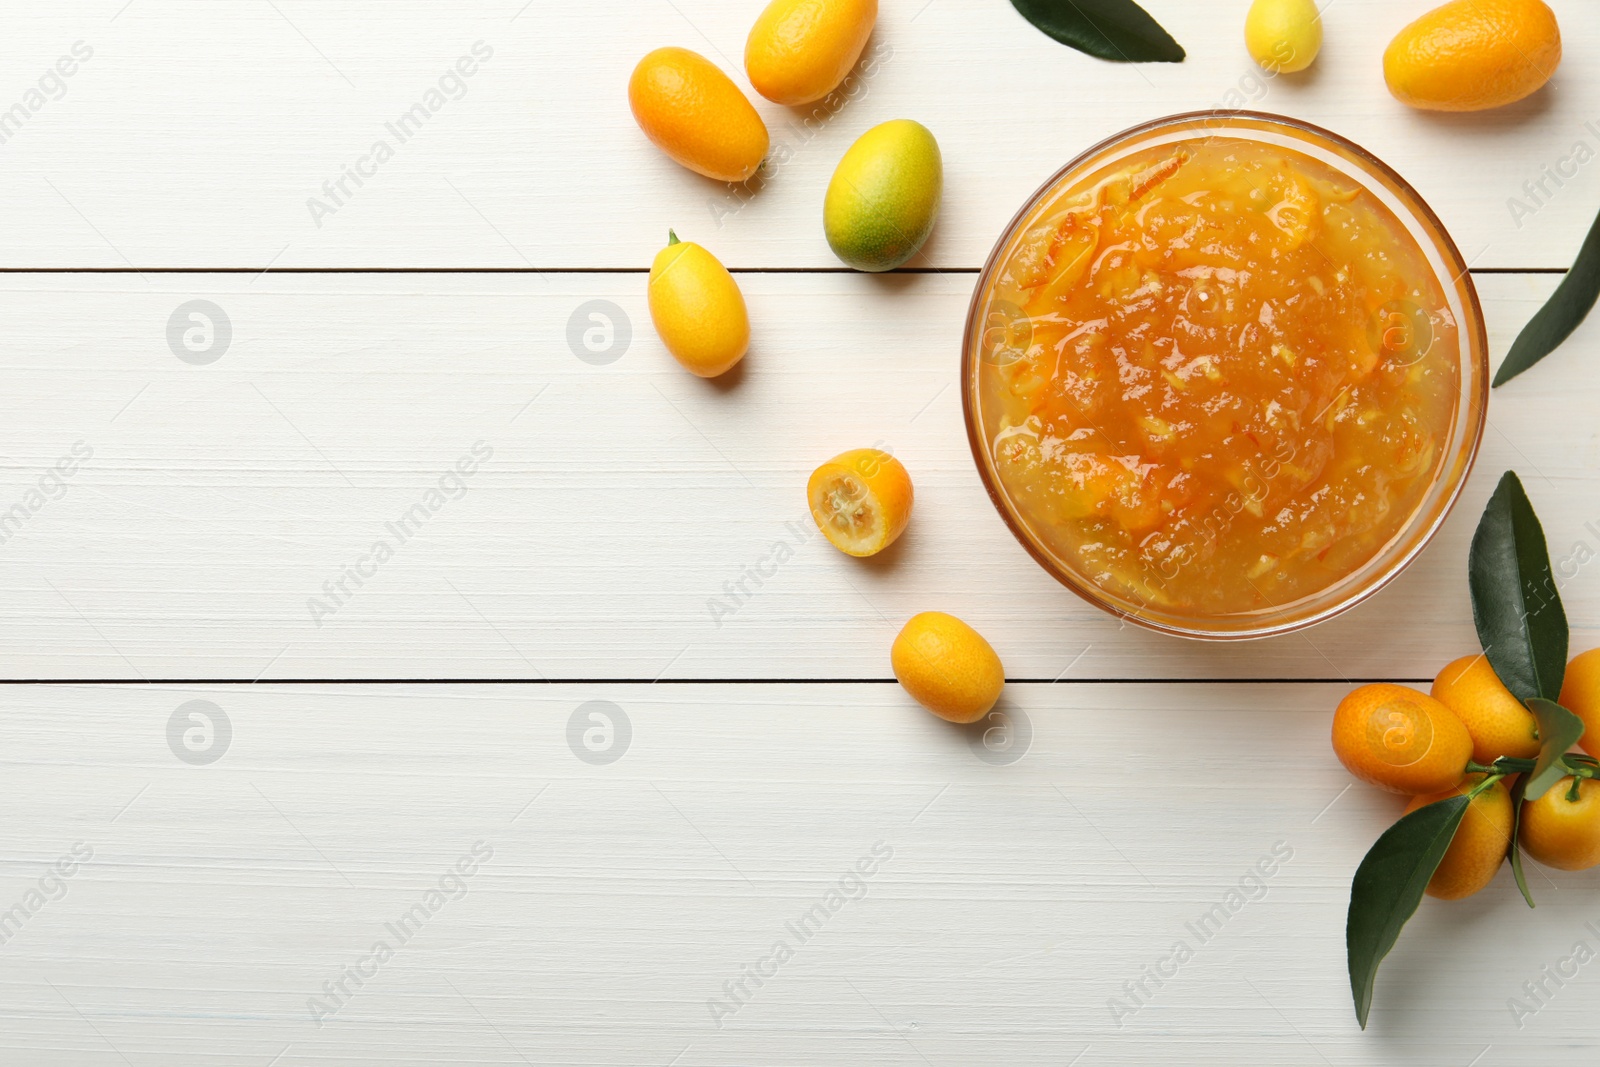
column 200, row 142
column 1006, row 904
column 620, row 504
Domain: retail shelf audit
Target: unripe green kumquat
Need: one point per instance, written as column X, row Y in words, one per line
column 1401, row 740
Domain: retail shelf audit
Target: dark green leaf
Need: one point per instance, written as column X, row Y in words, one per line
column 1119, row 30
column 1560, row 730
column 1521, row 624
column 1516, row 830
column 1388, row 887
column 1573, row 299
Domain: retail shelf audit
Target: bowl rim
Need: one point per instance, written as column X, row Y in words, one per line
column 1474, row 340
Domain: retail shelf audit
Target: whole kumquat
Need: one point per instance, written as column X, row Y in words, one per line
column 1561, row 832
column 1468, row 55
column 1401, row 740
column 1580, row 694
column 697, row 309
column 1480, row 843
column 947, row 667
column 1500, row 724
column 800, row 50
column 1283, row 36
column 694, row 113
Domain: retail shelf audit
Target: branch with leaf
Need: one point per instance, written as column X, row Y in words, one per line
column 1523, row 630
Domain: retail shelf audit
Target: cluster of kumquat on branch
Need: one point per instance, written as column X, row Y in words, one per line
column 1472, row 738
column 1487, row 758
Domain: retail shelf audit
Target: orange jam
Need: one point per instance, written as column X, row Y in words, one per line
column 1217, row 377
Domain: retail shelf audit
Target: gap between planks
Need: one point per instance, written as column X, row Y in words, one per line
column 630, row 681
column 566, row 270
column 681, row 681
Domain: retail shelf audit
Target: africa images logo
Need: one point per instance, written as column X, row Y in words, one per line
column 52, row 485
column 451, row 485
column 452, row 85
column 850, row 886
column 450, row 886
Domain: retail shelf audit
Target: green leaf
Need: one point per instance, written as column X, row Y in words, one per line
column 1521, row 624
column 1515, row 852
column 1572, row 301
column 1388, row 887
column 1118, row 30
column 1560, row 730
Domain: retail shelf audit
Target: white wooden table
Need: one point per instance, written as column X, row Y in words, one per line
column 562, row 881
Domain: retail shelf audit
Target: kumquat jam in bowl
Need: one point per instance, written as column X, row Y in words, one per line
column 1224, row 375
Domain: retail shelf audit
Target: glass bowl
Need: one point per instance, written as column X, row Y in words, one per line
column 1457, row 449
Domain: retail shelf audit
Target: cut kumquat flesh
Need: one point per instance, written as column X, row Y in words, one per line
column 861, row 500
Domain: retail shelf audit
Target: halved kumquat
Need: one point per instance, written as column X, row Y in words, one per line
column 861, row 500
